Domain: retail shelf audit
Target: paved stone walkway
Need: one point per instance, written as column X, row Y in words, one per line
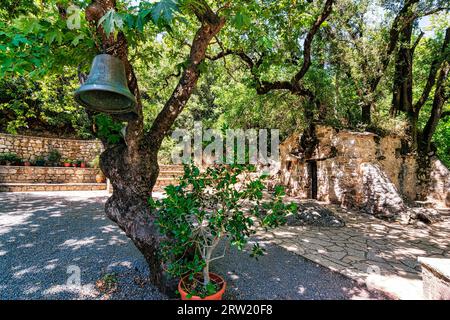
column 381, row 254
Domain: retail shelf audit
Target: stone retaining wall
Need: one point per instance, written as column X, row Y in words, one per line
column 22, row 174
column 33, row 187
column 30, row 147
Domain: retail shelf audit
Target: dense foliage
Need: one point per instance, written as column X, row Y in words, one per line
column 41, row 58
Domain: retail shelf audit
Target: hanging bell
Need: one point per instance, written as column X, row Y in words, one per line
column 106, row 89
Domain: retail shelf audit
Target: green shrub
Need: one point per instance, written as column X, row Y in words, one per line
column 54, row 157
column 95, row 162
column 9, row 158
column 222, row 202
column 39, row 161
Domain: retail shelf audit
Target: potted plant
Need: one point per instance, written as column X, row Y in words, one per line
column 9, row 158
column 40, row 161
column 27, row 163
column 224, row 203
column 67, row 163
column 75, row 163
column 95, row 162
column 82, row 164
column 100, row 177
column 54, row 157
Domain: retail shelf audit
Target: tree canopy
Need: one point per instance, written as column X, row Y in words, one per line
column 273, row 64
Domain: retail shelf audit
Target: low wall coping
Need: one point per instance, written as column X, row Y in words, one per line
column 49, row 138
column 44, row 167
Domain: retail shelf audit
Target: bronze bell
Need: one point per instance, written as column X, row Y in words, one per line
column 106, row 89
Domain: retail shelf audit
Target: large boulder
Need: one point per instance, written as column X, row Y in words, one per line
column 380, row 196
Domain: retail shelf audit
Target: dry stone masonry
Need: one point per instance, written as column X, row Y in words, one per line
column 36, row 178
column 30, row 147
column 21, row 174
column 357, row 169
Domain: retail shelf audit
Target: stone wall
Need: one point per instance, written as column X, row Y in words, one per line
column 358, row 169
column 29, row 147
column 22, row 174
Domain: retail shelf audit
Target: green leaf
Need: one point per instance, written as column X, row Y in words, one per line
column 53, row 35
column 18, row 39
column 163, row 11
column 241, row 20
column 111, row 22
column 77, row 39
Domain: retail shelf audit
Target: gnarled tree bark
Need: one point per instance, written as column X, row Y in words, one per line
column 131, row 165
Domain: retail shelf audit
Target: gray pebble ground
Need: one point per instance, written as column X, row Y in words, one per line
column 43, row 235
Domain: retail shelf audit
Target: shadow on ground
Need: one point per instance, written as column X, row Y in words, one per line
column 43, row 236
column 45, row 239
column 280, row 274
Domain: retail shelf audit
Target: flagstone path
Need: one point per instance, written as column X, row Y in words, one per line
column 381, row 254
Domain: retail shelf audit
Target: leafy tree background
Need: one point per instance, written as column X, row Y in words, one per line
column 41, row 59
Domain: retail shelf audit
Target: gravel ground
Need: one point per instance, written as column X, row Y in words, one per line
column 283, row 275
column 46, row 237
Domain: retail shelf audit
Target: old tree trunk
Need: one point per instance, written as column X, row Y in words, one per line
column 131, row 165
column 402, row 100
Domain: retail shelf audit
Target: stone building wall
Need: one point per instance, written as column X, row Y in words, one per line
column 30, row 147
column 358, row 169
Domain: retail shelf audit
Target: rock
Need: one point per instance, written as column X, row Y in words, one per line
column 311, row 213
column 447, row 199
column 424, row 215
column 381, row 196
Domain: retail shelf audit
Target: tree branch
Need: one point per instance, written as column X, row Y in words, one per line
column 438, row 104
column 435, row 65
column 211, row 25
column 263, row 87
column 400, row 22
column 309, row 38
column 413, row 48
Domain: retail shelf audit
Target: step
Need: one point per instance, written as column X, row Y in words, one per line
column 161, row 183
column 171, row 167
column 30, row 187
column 166, row 181
column 444, row 211
column 424, row 204
column 170, row 174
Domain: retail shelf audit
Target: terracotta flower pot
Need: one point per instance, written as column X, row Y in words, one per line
column 66, row 164
column 27, row 163
column 83, row 165
column 216, row 296
column 100, row 178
